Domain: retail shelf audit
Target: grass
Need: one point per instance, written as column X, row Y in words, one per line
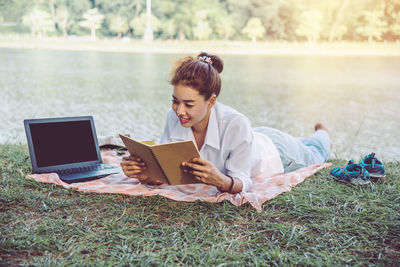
column 319, row 223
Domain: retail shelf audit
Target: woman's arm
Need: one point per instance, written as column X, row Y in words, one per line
column 207, row 173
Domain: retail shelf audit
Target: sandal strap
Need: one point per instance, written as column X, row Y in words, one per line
column 347, row 176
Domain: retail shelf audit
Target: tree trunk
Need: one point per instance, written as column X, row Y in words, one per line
column 93, row 32
column 53, row 12
column 181, row 33
column 337, row 19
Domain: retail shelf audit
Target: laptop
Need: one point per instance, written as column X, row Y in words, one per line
column 67, row 146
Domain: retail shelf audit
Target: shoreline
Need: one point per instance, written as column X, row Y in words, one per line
column 192, row 47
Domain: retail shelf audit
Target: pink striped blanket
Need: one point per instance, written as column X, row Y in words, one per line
column 263, row 189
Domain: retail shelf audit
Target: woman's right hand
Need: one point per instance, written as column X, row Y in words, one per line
column 134, row 167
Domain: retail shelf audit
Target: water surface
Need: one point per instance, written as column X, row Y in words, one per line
column 356, row 97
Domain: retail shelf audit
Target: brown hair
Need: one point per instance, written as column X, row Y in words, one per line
column 200, row 73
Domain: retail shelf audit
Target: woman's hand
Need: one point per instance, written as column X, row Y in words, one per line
column 207, row 173
column 134, row 167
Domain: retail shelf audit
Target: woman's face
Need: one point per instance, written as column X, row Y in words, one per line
column 191, row 107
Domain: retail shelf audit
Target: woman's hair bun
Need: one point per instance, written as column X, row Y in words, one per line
column 217, row 63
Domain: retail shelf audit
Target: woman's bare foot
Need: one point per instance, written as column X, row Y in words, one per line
column 320, row 126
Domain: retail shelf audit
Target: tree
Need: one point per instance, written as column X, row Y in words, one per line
column 139, row 24
column 183, row 18
column 310, row 20
column 202, row 30
column 220, row 21
column 119, row 25
column 337, row 28
column 13, row 11
column 92, row 20
column 225, row 28
column 39, row 22
column 337, row 32
column 167, row 28
column 395, row 27
column 76, row 9
column 51, row 4
column 62, row 19
column 125, row 8
column 373, row 25
column 392, row 13
column 239, row 11
column 310, row 25
column 272, row 15
column 254, row 29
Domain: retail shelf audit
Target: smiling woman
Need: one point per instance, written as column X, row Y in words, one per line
column 231, row 151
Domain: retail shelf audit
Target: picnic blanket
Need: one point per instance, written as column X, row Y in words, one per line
column 263, row 189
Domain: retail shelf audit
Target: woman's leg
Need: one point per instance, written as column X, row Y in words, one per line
column 319, row 142
column 297, row 153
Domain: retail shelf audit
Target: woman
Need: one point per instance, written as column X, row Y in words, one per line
column 231, row 151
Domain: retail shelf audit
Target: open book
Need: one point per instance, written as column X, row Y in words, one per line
column 164, row 161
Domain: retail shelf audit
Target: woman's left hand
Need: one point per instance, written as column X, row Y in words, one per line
column 206, row 172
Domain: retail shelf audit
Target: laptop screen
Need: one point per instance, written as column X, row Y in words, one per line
column 67, row 142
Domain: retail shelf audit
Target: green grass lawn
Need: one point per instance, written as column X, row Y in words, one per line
column 320, row 222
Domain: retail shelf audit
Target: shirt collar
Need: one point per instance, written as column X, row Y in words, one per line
column 212, row 136
column 180, row 133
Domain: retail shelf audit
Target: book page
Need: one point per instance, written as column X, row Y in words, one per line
column 143, row 151
column 171, row 155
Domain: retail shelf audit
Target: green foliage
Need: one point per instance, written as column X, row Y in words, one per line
column 13, row 11
column 69, row 13
column 92, row 20
column 240, row 12
column 338, row 32
column 183, row 19
column 202, row 30
column 62, row 18
column 373, row 25
column 39, row 21
column 118, row 24
column 254, row 29
column 139, row 24
column 318, row 223
column 395, row 27
column 310, row 25
column 309, row 20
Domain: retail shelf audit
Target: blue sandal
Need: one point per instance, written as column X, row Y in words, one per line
column 354, row 174
column 374, row 166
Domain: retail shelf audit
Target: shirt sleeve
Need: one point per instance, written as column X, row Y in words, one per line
column 240, row 138
column 166, row 136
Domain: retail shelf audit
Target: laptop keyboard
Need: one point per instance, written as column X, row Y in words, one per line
column 96, row 167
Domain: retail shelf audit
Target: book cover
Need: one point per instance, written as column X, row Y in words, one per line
column 164, row 161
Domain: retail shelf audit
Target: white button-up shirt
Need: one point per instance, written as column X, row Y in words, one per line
column 230, row 144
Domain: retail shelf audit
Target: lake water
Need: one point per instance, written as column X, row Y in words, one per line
column 358, row 98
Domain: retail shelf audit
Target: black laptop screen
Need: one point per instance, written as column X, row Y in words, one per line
column 57, row 143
